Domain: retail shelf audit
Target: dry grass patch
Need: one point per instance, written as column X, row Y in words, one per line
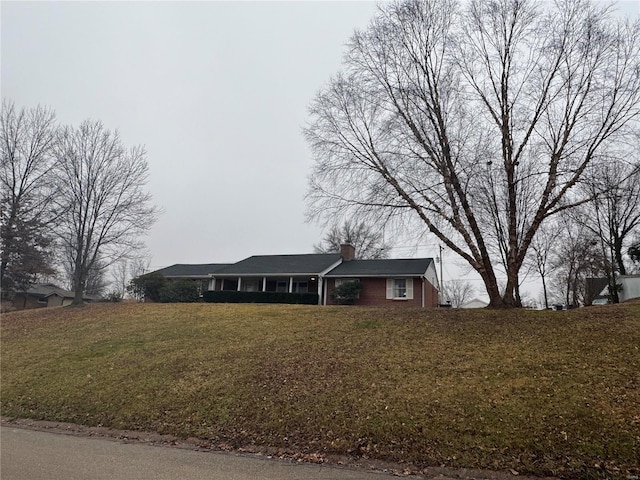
column 548, row 393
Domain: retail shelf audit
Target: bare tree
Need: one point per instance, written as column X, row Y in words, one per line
column 458, row 292
column 576, row 256
column 614, row 214
column 139, row 265
column 540, row 257
column 368, row 242
column 27, row 137
column 634, row 253
column 477, row 121
column 120, row 275
column 106, row 208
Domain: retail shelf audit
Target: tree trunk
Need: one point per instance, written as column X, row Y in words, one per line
column 617, row 248
column 511, row 296
column 78, row 285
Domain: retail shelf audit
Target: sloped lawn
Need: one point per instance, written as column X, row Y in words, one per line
column 546, row 393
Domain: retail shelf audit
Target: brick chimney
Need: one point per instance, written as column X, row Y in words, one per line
column 347, row 251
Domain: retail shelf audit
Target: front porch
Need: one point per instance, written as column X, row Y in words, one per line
column 275, row 284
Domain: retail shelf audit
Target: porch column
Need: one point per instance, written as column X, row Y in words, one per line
column 212, row 284
column 222, row 285
column 320, row 280
column 264, row 284
column 239, row 284
column 324, row 293
column 290, row 284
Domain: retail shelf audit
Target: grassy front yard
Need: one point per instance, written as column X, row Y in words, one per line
column 547, row 393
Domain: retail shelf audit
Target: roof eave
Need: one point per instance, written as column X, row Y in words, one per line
column 375, row 275
column 278, row 274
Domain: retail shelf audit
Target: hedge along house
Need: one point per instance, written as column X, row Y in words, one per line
column 387, row 281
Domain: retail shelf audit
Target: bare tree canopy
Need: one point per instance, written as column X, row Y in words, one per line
column 541, row 254
column 457, row 292
column 367, row 241
column 614, row 214
column 104, row 206
column 477, row 119
column 27, row 136
column 575, row 257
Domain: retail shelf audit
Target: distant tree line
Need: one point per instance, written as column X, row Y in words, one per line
column 73, row 202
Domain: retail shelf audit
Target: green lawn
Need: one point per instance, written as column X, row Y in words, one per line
column 547, row 393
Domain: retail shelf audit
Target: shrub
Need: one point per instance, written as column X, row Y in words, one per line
column 147, row 286
column 113, row 297
column 346, row 293
column 232, row 296
column 181, row 290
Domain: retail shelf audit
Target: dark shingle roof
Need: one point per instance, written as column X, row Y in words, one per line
column 191, row 270
column 381, row 267
column 44, row 290
column 259, row 265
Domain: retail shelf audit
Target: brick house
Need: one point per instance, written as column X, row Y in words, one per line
column 382, row 282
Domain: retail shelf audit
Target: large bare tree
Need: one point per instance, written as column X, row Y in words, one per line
column 103, row 199
column 26, row 190
column 478, row 119
column 367, row 241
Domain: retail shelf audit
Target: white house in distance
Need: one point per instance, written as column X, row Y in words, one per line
column 475, row 303
column 630, row 287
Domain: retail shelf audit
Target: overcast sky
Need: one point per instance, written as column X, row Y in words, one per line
column 217, row 92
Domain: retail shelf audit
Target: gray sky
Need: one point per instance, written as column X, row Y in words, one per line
column 218, row 94
column 216, row 91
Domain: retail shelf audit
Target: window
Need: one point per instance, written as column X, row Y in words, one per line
column 301, row 287
column 399, row 288
column 252, row 285
column 282, row 287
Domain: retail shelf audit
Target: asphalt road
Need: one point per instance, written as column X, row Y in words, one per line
column 34, row 455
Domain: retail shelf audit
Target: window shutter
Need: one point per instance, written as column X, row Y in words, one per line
column 409, row 288
column 389, row 288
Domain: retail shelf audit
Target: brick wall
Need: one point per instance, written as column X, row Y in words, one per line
column 430, row 295
column 373, row 291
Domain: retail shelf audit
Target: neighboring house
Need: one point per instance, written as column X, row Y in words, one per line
column 475, row 303
column 384, row 281
column 42, row 295
column 630, row 288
